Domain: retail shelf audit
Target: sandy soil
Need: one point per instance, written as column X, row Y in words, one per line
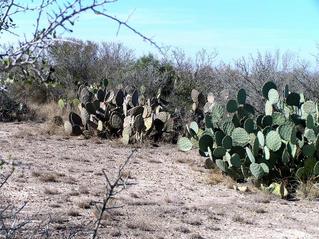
column 169, row 193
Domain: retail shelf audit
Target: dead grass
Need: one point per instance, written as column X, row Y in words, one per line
column 52, row 115
column 241, row 220
column 73, row 213
column 84, row 190
column 84, row 204
column 308, row 190
column 36, row 174
column 215, row 177
column 74, row 193
column 47, row 111
column 142, row 225
column 260, row 210
column 48, row 177
column 51, row 191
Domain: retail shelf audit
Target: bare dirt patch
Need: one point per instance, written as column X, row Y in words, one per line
column 170, row 194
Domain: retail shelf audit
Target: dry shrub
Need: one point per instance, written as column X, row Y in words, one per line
column 51, row 191
column 84, row 204
column 48, row 177
column 46, row 111
column 74, row 213
column 216, row 176
column 308, row 190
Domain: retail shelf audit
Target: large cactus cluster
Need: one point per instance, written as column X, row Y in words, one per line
column 116, row 112
column 280, row 143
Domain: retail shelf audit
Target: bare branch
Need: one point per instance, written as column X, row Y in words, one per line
column 111, row 192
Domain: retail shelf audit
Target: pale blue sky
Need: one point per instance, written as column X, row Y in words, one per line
column 233, row 28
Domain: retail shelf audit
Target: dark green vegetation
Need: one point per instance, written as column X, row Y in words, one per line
column 280, row 144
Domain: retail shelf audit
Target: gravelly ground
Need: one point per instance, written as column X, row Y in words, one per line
column 169, row 195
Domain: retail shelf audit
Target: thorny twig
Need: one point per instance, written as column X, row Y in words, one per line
column 111, row 191
column 58, row 17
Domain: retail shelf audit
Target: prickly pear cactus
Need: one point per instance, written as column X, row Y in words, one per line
column 118, row 113
column 283, row 142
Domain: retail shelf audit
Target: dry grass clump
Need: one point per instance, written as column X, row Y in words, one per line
column 46, row 111
column 73, row 213
column 48, row 177
column 308, row 190
column 84, row 204
column 52, row 115
column 51, row 191
column 216, row 176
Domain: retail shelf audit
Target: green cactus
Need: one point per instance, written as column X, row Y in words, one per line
column 227, row 142
column 273, row 141
column 184, row 144
column 235, row 160
column 268, row 108
column 222, row 165
column 240, row 137
column 273, row 96
column 219, row 152
column 228, row 127
column 241, row 96
column 232, row 106
column 293, row 99
column 256, row 170
column 205, row 141
column 250, row 155
column 267, row 87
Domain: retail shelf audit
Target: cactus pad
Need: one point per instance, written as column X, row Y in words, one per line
column 184, row 144
column 273, row 141
column 240, row 137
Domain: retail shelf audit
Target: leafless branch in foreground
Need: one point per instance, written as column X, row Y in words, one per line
column 53, row 17
column 112, row 189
